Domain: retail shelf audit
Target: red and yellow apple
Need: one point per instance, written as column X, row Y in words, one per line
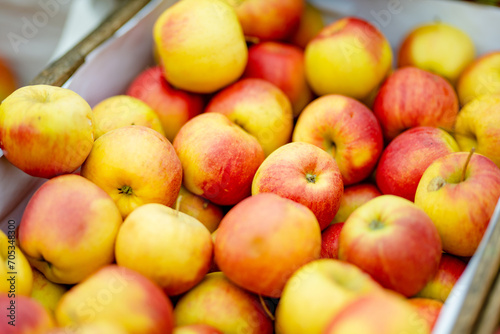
column 330, row 241
column 101, row 327
column 428, row 309
column 46, row 292
column 16, row 275
column 196, row 329
column 23, row 315
column 353, row 197
column 311, row 23
column 8, row 82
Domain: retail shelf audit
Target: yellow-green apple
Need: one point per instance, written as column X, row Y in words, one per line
column 282, row 65
column 478, row 126
column 196, row 329
column 311, row 23
column 428, row 309
column 46, row 292
column 330, row 241
column 120, row 296
column 8, row 82
column 203, row 210
column 449, row 271
column 219, row 303
column 173, row 106
column 122, row 110
column 412, row 97
column 46, row 131
column 135, row 165
column 318, row 291
column 378, row 314
column 192, row 28
column 439, row 48
column 394, row 241
column 459, row 192
column 481, row 77
column 16, row 276
column 101, row 327
column 407, row 157
column 258, row 107
column 347, row 130
column 68, row 229
column 353, row 197
column 305, row 174
column 219, row 158
column 179, row 248
column 349, row 57
column 263, row 239
column 23, row 315
column 268, row 19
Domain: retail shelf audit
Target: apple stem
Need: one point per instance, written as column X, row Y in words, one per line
column 266, row 309
column 472, row 150
column 178, row 204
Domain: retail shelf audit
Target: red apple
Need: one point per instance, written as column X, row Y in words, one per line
column 428, row 309
column 23, row 315
column 353, row 198
column 330, row 241
column 311, row 23
column 8, row 82
column 196, row 329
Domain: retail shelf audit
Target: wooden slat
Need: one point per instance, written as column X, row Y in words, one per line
column 62, row 69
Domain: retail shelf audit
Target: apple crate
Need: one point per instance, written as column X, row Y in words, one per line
column 106, row 61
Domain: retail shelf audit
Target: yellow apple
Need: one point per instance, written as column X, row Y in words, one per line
column 311, row 23
column 16, row 276
column 46, row 292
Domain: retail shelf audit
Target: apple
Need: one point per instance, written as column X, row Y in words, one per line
column 122, row 110
column 16, row 275
column 217, row 302
column 207, row 213
column 347, row 130
column 263, row 239
column 23, row 315
column 353, row 197
column 134, row 165
column 218, row 157
column 8, row 82
column 174, row 107
column 318, row 291
column 68, row 229
column 46, row 131
column 311, row 23
column 268, row 19
column 439, row 48
column 412, row 97
column 407, row 157
column 459, row 192
column 191, row 28
column 196, row 329
column 258, row 107
column 45, row 292
column 428, row 309
column 178, row 252
column 305, row 174
column 101, row 327
column 378, row 314
column 393, row 240
column 348, row 57
column 481, row 77
column 449, row 271
column 330, row 241
column 120, row 296
column 282, row 65
column 478, row 126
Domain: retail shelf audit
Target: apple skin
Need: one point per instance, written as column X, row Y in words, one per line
column 23, row 277
column 461, row 210
column 192, row 28
column 134, row 165
column 311, row 23
column 174, row 107
column 46, row 131
column 353, row 197
column 258, row 107
column 394, row 241
column 282, row 65
column 120, row 296
column 29, row 315
column 218, row 157
column 122, row 110
column 263, row 239
column 348, row 57
column 347, row 130
column 438, row 48
column 407, row 157
column 481, row 77
column 62, row 231
column 196, row 329
column 428, row 309
column 101, row 327
column 478, row 126
column 305, row 174
column 318, row 291
column 179, row 248
column 219, row 303
column 412, row 97
column 330, row 241
column 46, row 292
column 8, row 81
column 378, row 314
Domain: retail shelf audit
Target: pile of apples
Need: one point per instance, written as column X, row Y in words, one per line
column 269, row 174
